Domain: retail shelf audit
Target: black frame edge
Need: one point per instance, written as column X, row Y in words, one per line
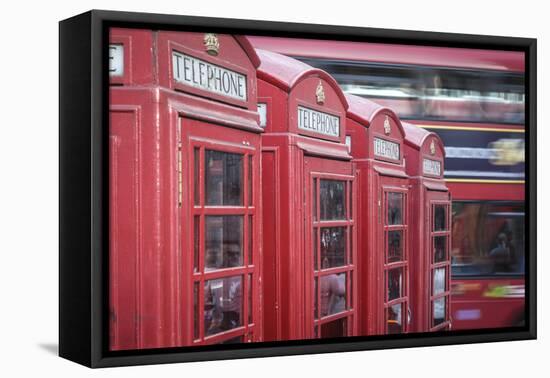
column 75, row 338
column 531, row 183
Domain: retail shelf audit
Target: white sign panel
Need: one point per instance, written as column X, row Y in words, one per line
column 431, row 167
column 386, row 149
column 318, row 122
column 116, row 60
column 262, row 111
column 198, row 73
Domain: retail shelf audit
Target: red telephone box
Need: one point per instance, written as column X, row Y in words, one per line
column 185, row 259
column 309, row 274
column 376, row 138
column 430, row 236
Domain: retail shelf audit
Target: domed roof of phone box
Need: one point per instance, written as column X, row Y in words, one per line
column 364, row 111
column 415, row 136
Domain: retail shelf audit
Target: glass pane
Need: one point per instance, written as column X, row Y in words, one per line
column 196, row 316
column 439, row 310
column 350, row 204
column 314, row 201
column 196, row 178
column 250, row 239
column 333, row 293
column 315, row 293
column 350, row 302
column 395, row 246
column 234, row 340
column 222, row 304
column 223, row 242
column 440, row 248
column 196, row 226
column 223, row 178
column 395, row 283
column 315, row 252
column 250, row 186
column 393, row 318
column 333, row 247
column 332, row 199
column 488, row 238
column 440, row 218
column 350, row 236
column 336, row 328
column 250, row 299
column 395, row 208
column 439, row 283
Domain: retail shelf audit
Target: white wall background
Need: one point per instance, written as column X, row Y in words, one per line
column 29, row 186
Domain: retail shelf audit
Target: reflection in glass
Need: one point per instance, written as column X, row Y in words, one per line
column 333, row 293
column 476, row 228
column 315, row 304
column 439, row 280
column 333, row 247
column 393, row 318
column 196, row 236
column 395, row 208
column 234, row 340
column 196, row 184
column 250, row 299
column 440, row 248
column 439, row 310
column 250, row 187
column 250, row 239
column 314, row 200
column 223, row 178
column 315, row 253
column 196, row 310
column 222, row 304
column 332, row 199
column 395, row 283
column 395, row 246
column 336, row 328
column 440, row 218
column 223, row 242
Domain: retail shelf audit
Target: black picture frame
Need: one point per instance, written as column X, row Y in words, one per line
column 83, row 228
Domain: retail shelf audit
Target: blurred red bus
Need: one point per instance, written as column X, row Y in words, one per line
column 475, row 100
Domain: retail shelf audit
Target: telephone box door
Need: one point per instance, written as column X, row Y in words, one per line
column 438, row 267
column 330, row 248
column 393, row 208
column 218, row 196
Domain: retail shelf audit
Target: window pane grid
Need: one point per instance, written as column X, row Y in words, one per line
column 332, row 253
column 228, row 178
column 395, row 261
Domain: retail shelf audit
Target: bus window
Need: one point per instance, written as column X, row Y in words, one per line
column 431, row 93
column 488, row 238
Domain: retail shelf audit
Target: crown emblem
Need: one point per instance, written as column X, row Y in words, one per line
column 211, row 44
column 387, row 126
column 432, row 147
column 320, row 93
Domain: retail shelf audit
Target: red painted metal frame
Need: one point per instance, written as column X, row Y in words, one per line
column 427, row 190
column 290, row 157
column 316, row 170
column 375, row 176
column 156, row 270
